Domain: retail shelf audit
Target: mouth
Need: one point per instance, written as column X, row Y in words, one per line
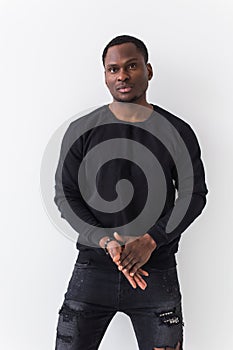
column 124, row 89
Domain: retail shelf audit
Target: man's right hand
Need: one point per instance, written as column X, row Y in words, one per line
column 115, row 250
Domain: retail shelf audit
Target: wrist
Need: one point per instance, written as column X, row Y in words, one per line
column 150, row 240
column 106, row 245
column 102, row 241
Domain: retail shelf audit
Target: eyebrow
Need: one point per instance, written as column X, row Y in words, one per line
column 115, row 64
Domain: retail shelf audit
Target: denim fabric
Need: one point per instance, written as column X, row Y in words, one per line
column 94, row 295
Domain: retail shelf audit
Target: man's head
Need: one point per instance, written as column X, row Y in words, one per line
column 122, row 39
column 127, row 71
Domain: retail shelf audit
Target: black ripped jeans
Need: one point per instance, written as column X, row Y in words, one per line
column 96, row 292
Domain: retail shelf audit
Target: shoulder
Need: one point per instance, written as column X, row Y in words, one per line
column 87, row 119
column 178, row 122
column 183, row 127
column 82, row 122
column 79, row 124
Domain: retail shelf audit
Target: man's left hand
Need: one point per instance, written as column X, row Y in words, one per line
column 136, row 252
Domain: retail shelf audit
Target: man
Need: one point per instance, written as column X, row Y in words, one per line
column 127, row 237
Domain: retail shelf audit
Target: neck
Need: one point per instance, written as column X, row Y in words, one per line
column 132, row 112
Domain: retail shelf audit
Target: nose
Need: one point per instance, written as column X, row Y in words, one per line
column 123, row 75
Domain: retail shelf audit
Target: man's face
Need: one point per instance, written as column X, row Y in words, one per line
column 127, row 74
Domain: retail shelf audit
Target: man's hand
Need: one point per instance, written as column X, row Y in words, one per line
column 136, row 252
column 115, row 251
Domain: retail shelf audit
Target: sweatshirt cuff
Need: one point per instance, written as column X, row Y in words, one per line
column 94, row 236
column 159, row 236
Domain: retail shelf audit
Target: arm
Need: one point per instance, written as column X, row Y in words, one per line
column 161, row 232
column 70, row 203
column 191, row 194
column 68, row 197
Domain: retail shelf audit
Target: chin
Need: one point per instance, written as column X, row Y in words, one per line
column 125, row 99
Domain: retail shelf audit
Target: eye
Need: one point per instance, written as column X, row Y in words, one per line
column 132, row 66
column 112, row 69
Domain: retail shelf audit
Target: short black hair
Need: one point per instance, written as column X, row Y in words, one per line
column 122, row 39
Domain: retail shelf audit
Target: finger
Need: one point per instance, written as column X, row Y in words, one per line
column 130, row 239
column 114, row 249
column 132, row 266
column 122, row 238
column 130, row 279
column 115, row 253
column 116, row 258
column 140, row 281
column 127, row 263
column 135, row 281
column 118, row 237
column 117, row 261
column 139, row 278
column 137, row 268
column 143, row 272
column 134, row 269
column 126, row 253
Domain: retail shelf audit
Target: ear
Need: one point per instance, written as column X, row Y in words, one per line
column 150, row 71
column 105, row 78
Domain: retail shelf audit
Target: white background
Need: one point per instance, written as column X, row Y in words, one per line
column 50, row 70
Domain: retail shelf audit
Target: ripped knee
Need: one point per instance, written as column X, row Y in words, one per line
column 170, row 323
column 67, row 325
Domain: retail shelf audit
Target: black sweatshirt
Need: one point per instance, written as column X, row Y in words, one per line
column 161, row 159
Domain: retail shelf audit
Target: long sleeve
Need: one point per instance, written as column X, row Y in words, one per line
column 192, row 195
column 68, row 197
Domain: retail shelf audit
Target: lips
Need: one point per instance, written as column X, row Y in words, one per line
column 124, row 88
